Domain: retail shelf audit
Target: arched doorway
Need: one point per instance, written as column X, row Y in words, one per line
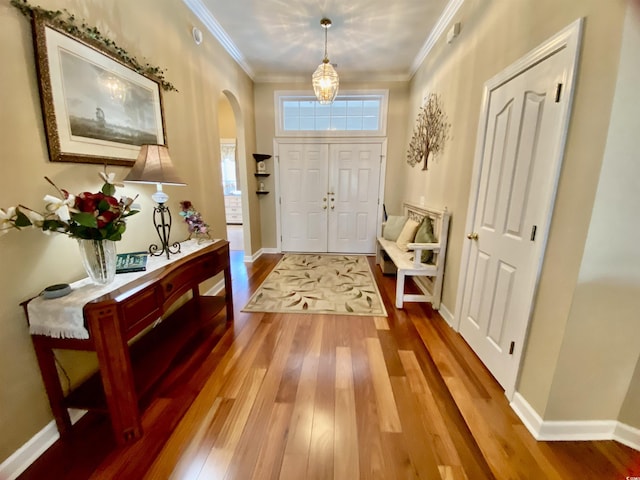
column 234, row 172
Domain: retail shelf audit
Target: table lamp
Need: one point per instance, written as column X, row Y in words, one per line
column 153, row 165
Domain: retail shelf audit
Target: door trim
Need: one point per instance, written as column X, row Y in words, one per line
column 567, row 39
column 333, row 140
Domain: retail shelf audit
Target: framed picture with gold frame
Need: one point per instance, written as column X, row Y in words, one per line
column 96, row 109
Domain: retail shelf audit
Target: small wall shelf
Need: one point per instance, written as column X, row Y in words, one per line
column 261, row 171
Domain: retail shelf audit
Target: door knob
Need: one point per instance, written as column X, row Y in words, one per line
column 324, row 207
column 332, row 207
column 472, row 236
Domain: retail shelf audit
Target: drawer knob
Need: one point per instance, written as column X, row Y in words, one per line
column 169, row 287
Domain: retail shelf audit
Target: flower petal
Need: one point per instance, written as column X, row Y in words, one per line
column 10, row 213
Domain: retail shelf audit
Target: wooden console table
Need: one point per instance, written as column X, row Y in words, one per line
column 114, row 319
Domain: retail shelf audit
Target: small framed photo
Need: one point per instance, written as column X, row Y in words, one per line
column 261, row 167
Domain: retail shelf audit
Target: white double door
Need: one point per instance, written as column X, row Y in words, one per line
column 329, row 196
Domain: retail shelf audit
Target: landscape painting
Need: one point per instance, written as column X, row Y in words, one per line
column 96, row 109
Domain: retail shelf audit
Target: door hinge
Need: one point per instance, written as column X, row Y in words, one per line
column 534, row 229
column 511, row 347
column 558, row 92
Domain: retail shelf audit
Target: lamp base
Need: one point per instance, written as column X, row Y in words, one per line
column 162, row 224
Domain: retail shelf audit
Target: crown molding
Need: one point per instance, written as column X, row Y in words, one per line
column 447, row 15
column 209, row 21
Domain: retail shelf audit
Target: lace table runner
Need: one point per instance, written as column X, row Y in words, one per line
column 62, row 317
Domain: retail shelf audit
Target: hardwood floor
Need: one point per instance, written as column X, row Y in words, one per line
column 328, row 397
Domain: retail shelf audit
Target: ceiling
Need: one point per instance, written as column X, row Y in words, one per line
column 282, row 40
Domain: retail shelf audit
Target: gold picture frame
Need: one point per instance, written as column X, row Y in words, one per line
column 96, row 109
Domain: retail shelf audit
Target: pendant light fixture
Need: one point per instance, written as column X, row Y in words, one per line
column 325, row 78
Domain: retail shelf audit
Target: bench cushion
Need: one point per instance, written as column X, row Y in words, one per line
column 393, row 227
column 425, row 235
column 407, row 234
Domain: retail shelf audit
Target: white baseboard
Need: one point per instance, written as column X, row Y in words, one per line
column 446, row 314
column 22, row 458
column 217, row 288
column 258, row 254
column 627, row 435
column 554, row 430
column 252, row 258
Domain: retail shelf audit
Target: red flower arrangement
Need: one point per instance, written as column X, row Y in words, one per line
column 88, row 216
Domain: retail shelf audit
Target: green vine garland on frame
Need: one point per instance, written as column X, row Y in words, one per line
column 92, row 35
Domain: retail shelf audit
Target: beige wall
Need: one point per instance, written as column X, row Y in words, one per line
column 602, row 331
column 265, row 133
column 159, row 32
column 226, row 119
column 494, row 34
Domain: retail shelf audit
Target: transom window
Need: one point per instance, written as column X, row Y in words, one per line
column 355, row 114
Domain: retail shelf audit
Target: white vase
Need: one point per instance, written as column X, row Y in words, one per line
column 99, row 260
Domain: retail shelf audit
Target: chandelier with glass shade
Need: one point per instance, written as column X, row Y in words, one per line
column 325, row 78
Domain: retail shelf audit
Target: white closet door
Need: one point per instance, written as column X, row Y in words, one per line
column 303, row 195
column 522, row 148
column 353, row 189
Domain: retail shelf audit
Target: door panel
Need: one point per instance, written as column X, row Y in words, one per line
column 303, row 180
column 354, row 180
column 517, row 206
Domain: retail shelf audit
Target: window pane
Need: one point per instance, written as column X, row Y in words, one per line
column 370, row 123
column 322, row 123
column 338, row 108
column 307, row 123
column 354, row 108
column 307, row 109
column 338, row 123
column 371, row 107
column 290, row 108
column 354, row 123
column 324, row 110
column 291, row 123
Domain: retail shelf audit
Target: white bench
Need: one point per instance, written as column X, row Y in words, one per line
column 428, row 275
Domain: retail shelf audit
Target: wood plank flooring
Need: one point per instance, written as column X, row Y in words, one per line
column 283, row 396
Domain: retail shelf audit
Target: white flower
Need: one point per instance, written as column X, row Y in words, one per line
column 109, row 178
column 35, row 218
column 5, row 219
column 60, row 206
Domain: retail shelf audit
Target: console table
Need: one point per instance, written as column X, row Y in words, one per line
column 115, row 318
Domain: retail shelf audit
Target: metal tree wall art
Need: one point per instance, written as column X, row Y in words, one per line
column 430, row 133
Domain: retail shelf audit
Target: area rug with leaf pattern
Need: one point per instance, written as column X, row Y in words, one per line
column 318, row 283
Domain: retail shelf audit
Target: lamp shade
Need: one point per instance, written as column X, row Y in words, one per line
column 153, row 165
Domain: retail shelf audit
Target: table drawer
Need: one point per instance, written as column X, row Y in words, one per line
column 141, row 311
column 177, row 283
